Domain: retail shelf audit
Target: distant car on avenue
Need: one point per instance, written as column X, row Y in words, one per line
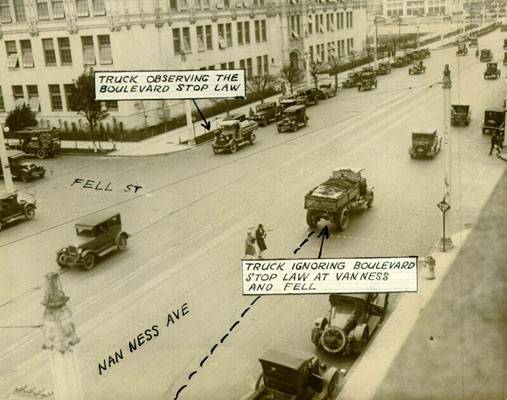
column 310, row 95
column 265, row 113
column 417, row 68
column 14, row 206
column 352, row 319
column 351, row 81
column 294, row 117
column 43, row 143
column 462, row 49
column 425, row 143
column 492, row 71
column 460, row 114
column 96, row 237
column 367, row 81
column 21, row 168
column 383, row 68
column 486, row 55
column 327, row 90
column 294, row 375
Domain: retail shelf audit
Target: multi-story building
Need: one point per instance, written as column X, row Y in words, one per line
column 422, row 7
column 46, row 44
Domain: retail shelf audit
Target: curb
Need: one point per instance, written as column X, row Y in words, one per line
column 151, row 155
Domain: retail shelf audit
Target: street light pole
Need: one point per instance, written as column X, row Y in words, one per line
column 375, row 54
column 6, row 168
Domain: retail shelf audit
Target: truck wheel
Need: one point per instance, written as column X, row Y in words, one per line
column 60, row 260
column 234, row 147
column 29, row 212
column 311, row 219
column 24, row 177
column 252, row 138
column 41, row 153
column 369, row 203
column 215, row 150
column 122, row 243
column 343, row 219
column 89, row 261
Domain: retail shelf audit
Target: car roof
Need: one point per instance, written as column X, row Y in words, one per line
column 425, row 131
column 359, row 296
column 460, row 104
column 231, row 122
column 494, row 109
column 96, row 219
column 355, row 170
column 266, row 103
column 289, row 358
column 294, row 108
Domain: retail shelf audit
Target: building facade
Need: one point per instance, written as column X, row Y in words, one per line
column 414, row 8
column 46, row 44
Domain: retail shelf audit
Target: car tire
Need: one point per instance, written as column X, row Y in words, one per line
column 29, row 212
column 252, row 138
column 122, row 243
column 215, row 150
column 311, row 220
column 279, row 130
column 343, row 219
column 89, row 261
column 369, row 203
column 24, row 177
column 60, row 260
column 234, row 147
column 41, row 154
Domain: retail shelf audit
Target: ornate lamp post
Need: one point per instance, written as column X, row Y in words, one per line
column 6, row 169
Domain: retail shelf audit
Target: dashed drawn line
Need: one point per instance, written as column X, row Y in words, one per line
column 304, row 242
column 216, row 345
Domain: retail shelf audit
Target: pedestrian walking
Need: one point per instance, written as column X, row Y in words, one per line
column 260, row 235
column 250, row 245
column 495, row 141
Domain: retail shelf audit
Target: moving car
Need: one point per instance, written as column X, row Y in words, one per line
column 96, row 237
column 367, row 81
column 462, row 49
column 504, row 59
column 492, row 71
column 460, row 114
column 232, row 134
column 505, row 44
column 351, row 81
column 310, row 95
column 472, row 41
column 294, row 118
column 417, row 69
column 332, row 200
column 383, row 68
column 400, row 61
column 425, row 143
column 494, row 121
column 327, row 90
column 486, row 55
column 21, row 168
column 294, row 375
column 265, row 113
column 13, row 207
column 44, row 143
column 352, row 319
column 284, row 103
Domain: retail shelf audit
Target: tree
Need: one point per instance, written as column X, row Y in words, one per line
column 257, row 85
column 335, row 65
column 82, row 100
column 290, row 74
column 20, row 118
column 316, row 67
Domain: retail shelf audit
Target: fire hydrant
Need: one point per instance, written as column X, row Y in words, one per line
column 429, row 263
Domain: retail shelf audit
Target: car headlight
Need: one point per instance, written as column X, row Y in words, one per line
column 79, row 250
column 64, row 249
column 333, row 340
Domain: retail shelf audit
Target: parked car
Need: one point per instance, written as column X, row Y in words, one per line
column 462, row 49
column 327, row 90
column 284, row 103
column 351, row 81
column 417, row 69
column 494, row 121
column 294, row 118
column 492, row 71
column 472, row 41
column 460, row 114
column 383, row 68
column 43, row 143
column 265, row 113
column 367, row 81
column 232, row 134
column 504, row 59
column 294, row 375
column 96, row 237
column 505, row 44
column 310, row 95
column 351, row 321
column 14, row 206
column 425, row 143
column 400, row 61
column 486, row 55
column 21, row 168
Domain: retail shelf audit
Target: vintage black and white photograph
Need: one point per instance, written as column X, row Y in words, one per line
column 253, row 199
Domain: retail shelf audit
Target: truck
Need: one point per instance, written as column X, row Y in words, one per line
column 460, row 114
column 344, row 191
column 43, row 143
column 234, row 131
column 265, row 113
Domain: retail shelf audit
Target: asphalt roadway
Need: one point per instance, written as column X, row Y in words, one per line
column 188, row 224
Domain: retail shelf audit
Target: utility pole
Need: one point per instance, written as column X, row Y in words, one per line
column 375, row 52
column 188, row 114
column 446, row 242
column 306, row 53
column 59, row 338
column 6, row 168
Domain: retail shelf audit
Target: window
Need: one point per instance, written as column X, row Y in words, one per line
column 200, row 38
column 241, row 64
column 223, row 66
column 111, row 105
column 183, row 4
column 221, row 36
column 205, row 4
column 82, row 8
column 186, row 40
column 231, row 65
column 239, row 27
column 259, row 65
column 88, row 50
column 65, row 52
column 351, row 20
column 197, row 5
column 177, row 41
column 264, row 33
column 68, row 91
column 12, row 54
column 227, row 3
column 247, row 32
column 55, row 97
column 310, row 50
column 105, row 54
column 266, row 64
column 209, row 38
column 2, row 104
column 58, row 10
column 228, row 31
column 211, row 67
column 33, row 97
column 173, row 5
column 99, row 7
column 49, row 52
column 19, row 10
column 5, row 11
column 310, row 25
column 18, row 95
column 42, row 9
column 257, row 28
column 26, row 53
column 249, row 68
column 328, row 22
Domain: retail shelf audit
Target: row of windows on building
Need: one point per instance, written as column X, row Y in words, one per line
column 261, row 66
column 436, row 10
column 63, row 56
column 14, row 10
column 182, row 42
column 334, row 22
column 336, row 49
column 31, row 97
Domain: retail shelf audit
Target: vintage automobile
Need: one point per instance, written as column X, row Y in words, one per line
column 294, row 118
column 472, row 41
column 310, row 95
column 367, row 81
column 265, row 113
column 327, row 90
column 16, row 205
column 284, row 103
column 294, row 375
column 462, row 49
column 232, row 134
column 425, row 143
column 492, row 71
column 504, row 59
column 400, row 61
column 21, row 168
column 486, row 55
column 505, row 44
column 96, row 237
column 494, row 121
column 351, row 81
column 44, row 143
column 425, row 52
column 460, row 114
column 383, row 68
column 417, row 68
column 352, row 319
column 344, row 191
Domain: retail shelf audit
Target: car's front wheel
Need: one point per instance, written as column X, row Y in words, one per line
column 343, row 219
column 252, row 138
column 41, row 154
column 89, row 261
column 122, row 243
column 24, row 177
column 29, row 212
column 234, row 147
column 61, row 259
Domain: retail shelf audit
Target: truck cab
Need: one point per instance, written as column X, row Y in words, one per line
column 494, row 121
column 460, row 114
